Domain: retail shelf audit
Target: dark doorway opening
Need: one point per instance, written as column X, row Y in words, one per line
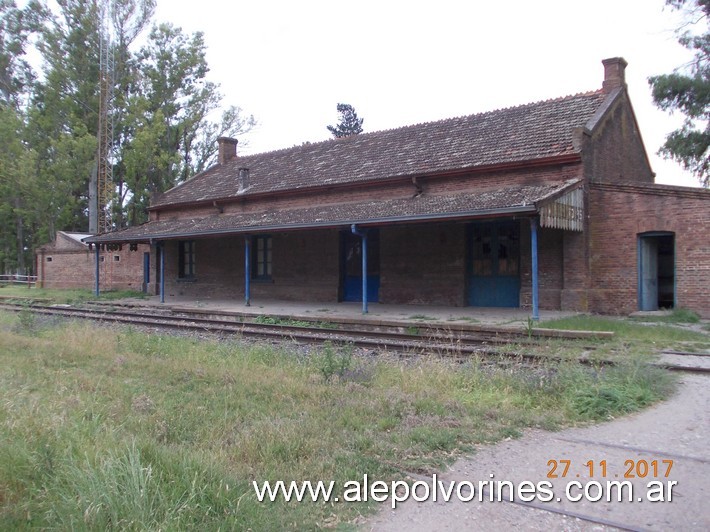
column 159, row 250
column 146, row 272
column 351, row 266
column 656, row 271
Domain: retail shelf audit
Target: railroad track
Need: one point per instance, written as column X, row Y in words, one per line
column 410, row 339
column 415, row 339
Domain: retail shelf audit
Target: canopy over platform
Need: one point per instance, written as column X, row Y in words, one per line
column 522, row 200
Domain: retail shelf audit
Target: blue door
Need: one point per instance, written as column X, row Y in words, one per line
column 352, row 266
column 656, row 266
column 494, row 270
column 146, row 271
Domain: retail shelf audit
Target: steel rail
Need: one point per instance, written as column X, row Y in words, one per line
column 464, row 345
column 414, row 339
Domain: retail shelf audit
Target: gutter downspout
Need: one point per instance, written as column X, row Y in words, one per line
column 535, row 283
column 247, row 270
column 363, row 236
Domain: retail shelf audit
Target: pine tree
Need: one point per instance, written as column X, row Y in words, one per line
column 349, row 123
column 688, row 91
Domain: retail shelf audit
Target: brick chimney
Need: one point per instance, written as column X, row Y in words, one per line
column 614, row 74
column 227, row 149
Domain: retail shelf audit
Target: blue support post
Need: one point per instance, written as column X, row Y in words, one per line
column 533, row 243
column 98, row 259
column 161, row 247
column 363, row 236
column 247, row 270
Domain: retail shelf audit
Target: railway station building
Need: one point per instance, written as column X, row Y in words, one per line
column 549, row 205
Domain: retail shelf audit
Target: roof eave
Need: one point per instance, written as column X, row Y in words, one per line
column 522, row 210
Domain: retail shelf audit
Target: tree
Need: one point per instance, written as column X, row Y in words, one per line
column 232, row 124
column 349, row 123
column 18, row 210
column 162, row 111
column 174, row 137
column 687, row 90
column 16, row 27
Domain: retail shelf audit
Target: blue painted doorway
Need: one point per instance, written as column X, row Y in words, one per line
column 146, row 271
column 656, row 267
column 494, row 265
column 351, row 269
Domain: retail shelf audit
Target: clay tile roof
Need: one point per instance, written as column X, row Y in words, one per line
column 517, row 134
column 512, row 199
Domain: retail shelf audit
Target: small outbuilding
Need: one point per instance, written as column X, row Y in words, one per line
column 68, row 262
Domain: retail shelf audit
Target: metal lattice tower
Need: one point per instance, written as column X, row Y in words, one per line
column 105, row 192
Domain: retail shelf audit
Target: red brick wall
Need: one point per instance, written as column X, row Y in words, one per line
column 574, row 294
column 550, row 267
column 419, row 264
column 423, row 264
column 305, row 267
column 77, row 268
column 615, row 153
column 219, row 269
column 620, row 213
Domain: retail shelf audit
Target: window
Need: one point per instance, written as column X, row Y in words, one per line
column 186, row 257
column 261, row 257
column 116, row 258
column 49, row 259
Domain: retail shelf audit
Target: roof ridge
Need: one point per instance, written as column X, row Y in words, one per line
column 529, row 131
column 497, row 110
column 366, row 134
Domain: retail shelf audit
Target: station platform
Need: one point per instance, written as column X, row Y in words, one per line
column 377, row 312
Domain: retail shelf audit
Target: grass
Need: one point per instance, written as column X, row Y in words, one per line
column 679, row 315
column 641, row 336
column 275, row 320
column 115, row 429
column 65, row 296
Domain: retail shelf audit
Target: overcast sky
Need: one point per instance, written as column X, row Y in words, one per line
column 404, row 62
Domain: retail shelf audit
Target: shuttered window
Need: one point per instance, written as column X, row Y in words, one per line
column 186, row 264
column 261, row 249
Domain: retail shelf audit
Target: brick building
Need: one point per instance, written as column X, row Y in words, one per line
column 69, row 263
column 547, row 205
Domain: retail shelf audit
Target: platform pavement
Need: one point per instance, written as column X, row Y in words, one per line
column 408, row 314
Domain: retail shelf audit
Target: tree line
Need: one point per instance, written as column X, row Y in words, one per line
column 162, row 110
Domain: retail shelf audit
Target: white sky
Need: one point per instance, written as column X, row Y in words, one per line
column 404, row 62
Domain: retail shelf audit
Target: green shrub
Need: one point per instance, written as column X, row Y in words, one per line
column 334, row 362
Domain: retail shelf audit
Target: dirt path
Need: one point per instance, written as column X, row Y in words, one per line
column 678, row 430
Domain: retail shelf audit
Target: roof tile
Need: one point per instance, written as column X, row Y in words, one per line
column 421, row 208
column 516, row 134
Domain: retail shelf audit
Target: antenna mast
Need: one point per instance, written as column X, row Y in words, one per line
column 104, row 181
